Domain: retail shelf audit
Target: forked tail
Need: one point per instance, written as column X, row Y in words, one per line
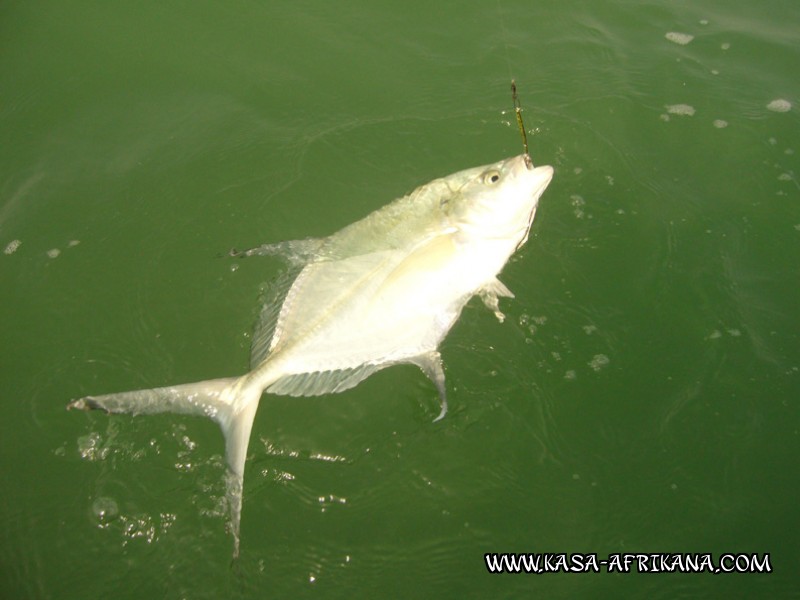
column 231, row 402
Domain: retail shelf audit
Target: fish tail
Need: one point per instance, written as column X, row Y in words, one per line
column 231, row 402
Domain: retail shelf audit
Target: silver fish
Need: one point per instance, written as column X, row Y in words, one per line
column 384, row 290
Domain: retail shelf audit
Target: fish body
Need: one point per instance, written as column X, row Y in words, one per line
column 382, row 291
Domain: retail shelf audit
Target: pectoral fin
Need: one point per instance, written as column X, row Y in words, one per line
column 490, row 294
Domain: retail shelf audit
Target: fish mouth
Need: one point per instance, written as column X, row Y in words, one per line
column 522, row 166
column 536, row 178
column 540, row 179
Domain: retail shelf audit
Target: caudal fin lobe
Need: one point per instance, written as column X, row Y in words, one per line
column 231, row 402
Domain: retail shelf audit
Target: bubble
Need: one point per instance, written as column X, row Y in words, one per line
column 73, row 243
column 89, row 447
column 726, row 46
column 53, row 252
column 685, row 110
column 105, row 510
column 12, row 247
column 720, row 124
column 679, row 38
column 779, row 105
column 139, row 527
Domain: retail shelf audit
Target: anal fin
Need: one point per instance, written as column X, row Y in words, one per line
column 431, row 365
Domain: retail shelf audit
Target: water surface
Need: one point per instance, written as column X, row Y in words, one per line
column 642, row 395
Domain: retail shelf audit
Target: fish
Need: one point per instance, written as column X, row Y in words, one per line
column 382, row 291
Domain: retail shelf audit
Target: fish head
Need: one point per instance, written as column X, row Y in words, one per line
column 498, row 201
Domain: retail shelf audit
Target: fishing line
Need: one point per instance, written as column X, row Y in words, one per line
column 504, row 33
column 520, row 124
column 514, row 96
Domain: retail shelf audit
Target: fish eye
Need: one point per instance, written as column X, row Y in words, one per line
column 491, row 177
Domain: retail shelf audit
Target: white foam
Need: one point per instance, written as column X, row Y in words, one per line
column 599, row 361
column 12, row 247
column 720, row 124
column 780, row 105
column 679, row 38
column 53, row 253
column 684, row 110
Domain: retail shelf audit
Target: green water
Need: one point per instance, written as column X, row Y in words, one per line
column 642, row 395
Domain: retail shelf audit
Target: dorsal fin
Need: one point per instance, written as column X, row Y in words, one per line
column 272, row 298
column 323, row 382
column 296, row 253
